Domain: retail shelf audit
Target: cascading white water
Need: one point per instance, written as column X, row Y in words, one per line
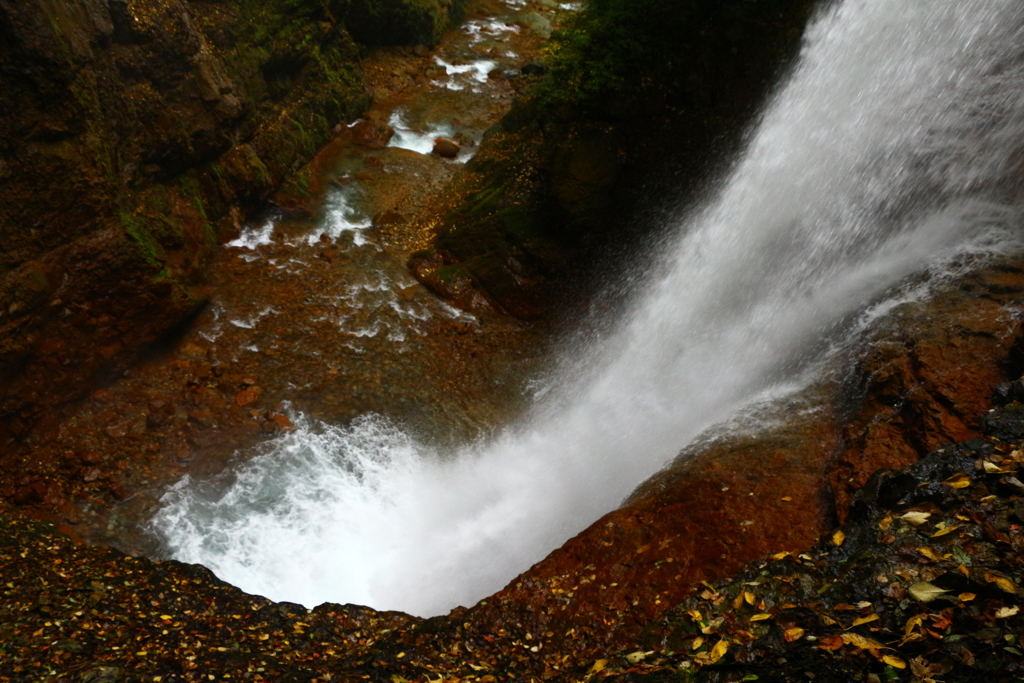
column 893, row 148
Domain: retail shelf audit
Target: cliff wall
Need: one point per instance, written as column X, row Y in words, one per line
column 135, row 135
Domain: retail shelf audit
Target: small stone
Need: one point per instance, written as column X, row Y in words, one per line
column 534, row 69
column 328, row 254
column 90, row 458
column 117, row 429
column 160, row 413
column 248, row 396
column 282, row 422
column 193, row 350
column 69, row 512
column 446, row 147
column 91, row 474
column 30, row 494
column 372, row 134
column 386, row 218
column 204, row 418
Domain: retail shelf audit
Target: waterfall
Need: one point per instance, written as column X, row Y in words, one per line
column 892, row 149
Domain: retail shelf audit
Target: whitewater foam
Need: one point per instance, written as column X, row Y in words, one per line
column 891, row 150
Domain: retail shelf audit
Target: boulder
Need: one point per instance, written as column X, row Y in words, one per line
column 446, row 147
column 372, row 134
column 536, row 23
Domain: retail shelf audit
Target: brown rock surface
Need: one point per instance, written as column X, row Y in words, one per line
column 927, row 376
column 446, row 147
column 700, row 520
column 923, row 379
column 131, row 133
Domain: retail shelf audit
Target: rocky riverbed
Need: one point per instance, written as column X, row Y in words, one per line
column 312, row 309
column 923, row 583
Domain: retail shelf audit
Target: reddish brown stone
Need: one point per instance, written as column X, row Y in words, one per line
column 248, row 396
column 372, row 133
column 929, row 379
column 282, row 422
column 446, row 147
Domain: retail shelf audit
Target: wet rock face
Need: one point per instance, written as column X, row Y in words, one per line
column 924, row 379
column 924, row 582
column 928, row 377
column 133, row 134
column 558, row 186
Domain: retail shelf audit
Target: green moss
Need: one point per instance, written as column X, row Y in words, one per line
column 395, row 22
column 653, row 52
column 143, row 239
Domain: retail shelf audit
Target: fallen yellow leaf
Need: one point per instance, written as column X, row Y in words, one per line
column 838, row 538
column 922, row 591
column 912, row 623
column 864, row 620
column 695, row 615
column 1002, row 582
column 718, row 651
column 885, row 523
column 830, row 642
column 793, row 634
column 958, row 481
column 947, row 530
column 749, row 597
column 929, row 553
column 862, row 642
column 599, row 665
column 966, row 597
column 760, row 617
column 892, row 660
column 992, row 468
column 697, row 642
column 1004, row 612
column 916, row 517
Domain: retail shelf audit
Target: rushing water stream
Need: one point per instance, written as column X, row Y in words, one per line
column 892, row 149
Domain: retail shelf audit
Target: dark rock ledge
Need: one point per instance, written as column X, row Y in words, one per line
column 924, row 582
column 863, row 604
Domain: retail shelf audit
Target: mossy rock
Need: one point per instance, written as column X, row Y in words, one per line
column 398, row 22
column 639, row 95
